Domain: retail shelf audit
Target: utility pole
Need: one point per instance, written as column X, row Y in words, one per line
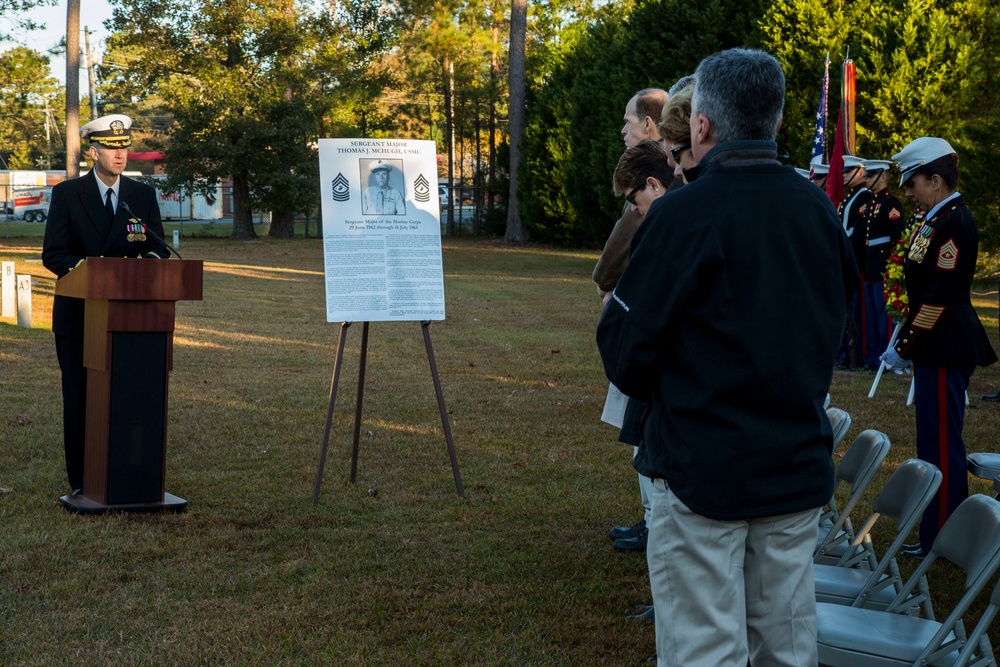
column 91, row 76
column 48, row 137
column 72, row 88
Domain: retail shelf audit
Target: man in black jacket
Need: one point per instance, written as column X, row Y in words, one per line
column 100, row 214
column 736, row 438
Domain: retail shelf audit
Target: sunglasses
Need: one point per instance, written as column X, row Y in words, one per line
column 676, row 151
column 630, row 197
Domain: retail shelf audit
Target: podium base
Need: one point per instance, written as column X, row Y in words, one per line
column 84, row 505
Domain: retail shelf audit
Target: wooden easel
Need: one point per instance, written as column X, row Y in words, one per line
column 425, row 327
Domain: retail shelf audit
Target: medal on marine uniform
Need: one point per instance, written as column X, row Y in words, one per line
column 921, row 241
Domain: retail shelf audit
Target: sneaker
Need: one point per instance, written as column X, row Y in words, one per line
column 916, row 552
column 637, row 543
column 620, row 532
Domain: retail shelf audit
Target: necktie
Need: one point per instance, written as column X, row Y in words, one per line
column 108, row 206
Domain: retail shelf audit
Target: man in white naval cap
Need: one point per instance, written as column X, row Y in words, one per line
column 853, row 212
column 382, row 198
column 883, row 228
column 99, row 214
column 819, row 172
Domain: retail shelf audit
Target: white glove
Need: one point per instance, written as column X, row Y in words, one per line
column 893, row 360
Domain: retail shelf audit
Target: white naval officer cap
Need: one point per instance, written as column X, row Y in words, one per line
column 872, row 166
column 111, row 131
column 819, row 168
column 853, row 162
column 918, row 153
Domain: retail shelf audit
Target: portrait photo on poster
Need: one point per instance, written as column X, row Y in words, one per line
column 386, row 187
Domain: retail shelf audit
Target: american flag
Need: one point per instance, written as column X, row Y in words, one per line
column 819, row 137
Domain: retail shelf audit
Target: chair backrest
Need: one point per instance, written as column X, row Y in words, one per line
column 840, row 422
column 863, row 458
column 971, row 539
column 908, row 491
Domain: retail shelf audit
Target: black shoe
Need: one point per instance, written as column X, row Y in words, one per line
column 637, row 543
column 620, row 532
column 991, row 398
column 916, row 552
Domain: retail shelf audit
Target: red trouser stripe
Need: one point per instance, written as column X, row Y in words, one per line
column 942, row 395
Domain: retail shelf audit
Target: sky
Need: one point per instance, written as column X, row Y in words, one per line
column 93, row 13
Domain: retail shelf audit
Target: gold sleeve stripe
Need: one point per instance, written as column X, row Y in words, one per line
column 927, row 316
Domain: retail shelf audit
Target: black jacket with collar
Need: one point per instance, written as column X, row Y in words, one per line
column 726, row 321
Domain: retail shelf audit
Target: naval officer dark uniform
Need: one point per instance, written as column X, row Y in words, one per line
column 942, row 335
column 883, row 229
column 853, row 212
column 83, row 223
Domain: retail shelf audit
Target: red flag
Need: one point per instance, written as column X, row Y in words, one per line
column 848, row 101
column 835, row 179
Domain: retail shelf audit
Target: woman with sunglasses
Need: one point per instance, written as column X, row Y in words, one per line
column 675, row 130
column 643, row 175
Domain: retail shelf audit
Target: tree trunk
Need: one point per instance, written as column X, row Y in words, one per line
column 282, row 225
column 494, row 75
column 449, row 131
column 73, row 88
column 516, row 233
column 242, row 215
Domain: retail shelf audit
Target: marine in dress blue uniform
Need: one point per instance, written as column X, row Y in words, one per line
column 86, row 219
column 883, row 229
column 942, row 335
column 853, row 214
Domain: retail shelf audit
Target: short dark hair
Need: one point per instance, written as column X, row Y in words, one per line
column 945, row 166
column 647, row 158
column 742, row 91
column 649, row 102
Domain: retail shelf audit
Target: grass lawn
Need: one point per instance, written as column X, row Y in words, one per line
column 395, row 569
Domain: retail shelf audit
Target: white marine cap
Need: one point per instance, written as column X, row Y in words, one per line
column 804, row 173
column 918, row 153
column 853, row 162
column 877, row 165
column 819, row 168
column 111, row 131
column 378, row 165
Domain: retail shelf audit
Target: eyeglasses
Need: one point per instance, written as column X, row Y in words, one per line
column 676, row 151
column 630, row 197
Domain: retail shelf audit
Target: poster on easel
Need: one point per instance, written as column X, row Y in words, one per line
column 381, row 230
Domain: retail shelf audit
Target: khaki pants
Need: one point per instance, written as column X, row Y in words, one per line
column 726, row 592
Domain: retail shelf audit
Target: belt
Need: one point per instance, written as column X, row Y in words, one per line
column 879, row 241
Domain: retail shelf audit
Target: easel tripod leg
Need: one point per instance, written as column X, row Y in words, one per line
column 329, row 412
column 361, row 396
column 444, row 412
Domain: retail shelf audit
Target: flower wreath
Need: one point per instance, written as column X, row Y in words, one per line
column 896, row 303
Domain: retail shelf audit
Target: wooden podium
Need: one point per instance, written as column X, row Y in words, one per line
column 128, row 353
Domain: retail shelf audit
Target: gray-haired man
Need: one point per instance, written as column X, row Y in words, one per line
column 736, row 437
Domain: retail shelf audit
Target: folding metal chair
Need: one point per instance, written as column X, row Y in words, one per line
column 840, row 421
column 859, row 578
column 860, row 463
column 859, row 637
